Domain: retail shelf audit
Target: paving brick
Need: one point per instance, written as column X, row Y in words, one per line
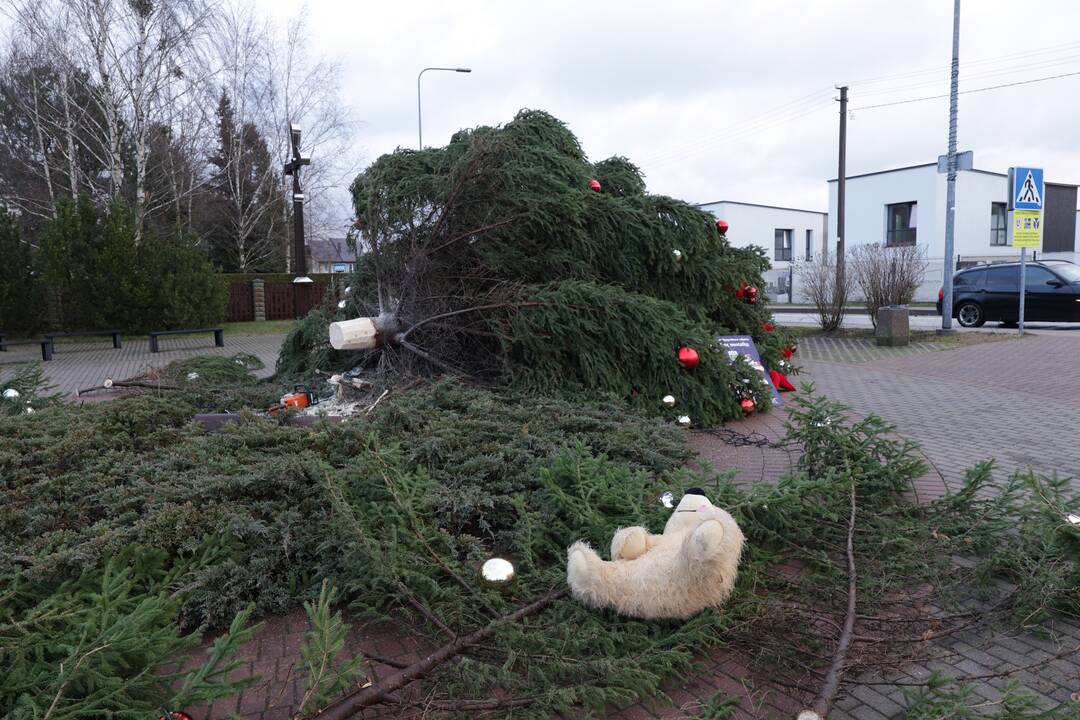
column 877, row 700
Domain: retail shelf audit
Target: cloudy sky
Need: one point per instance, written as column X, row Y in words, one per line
column 719, row 100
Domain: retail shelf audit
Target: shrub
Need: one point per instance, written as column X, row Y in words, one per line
column 887, row 275
column 92, row 275
column 827, row 292
column 19, row 293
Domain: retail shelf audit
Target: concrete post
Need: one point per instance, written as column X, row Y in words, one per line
column 258, row 298
column 893, row 327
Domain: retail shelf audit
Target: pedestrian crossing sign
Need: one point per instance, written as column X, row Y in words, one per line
column 1027, row 188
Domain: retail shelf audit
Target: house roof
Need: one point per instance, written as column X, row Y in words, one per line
column 934, row 164
column 771, row 207
column 330, row 251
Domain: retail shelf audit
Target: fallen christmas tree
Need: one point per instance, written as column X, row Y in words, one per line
column 508, row 257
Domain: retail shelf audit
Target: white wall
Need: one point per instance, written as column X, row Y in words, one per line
column 750, row 224
column 867, row 196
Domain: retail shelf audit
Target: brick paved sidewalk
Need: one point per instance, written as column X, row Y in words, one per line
column 78, row 365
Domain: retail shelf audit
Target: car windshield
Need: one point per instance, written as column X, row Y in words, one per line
column 1068, row 273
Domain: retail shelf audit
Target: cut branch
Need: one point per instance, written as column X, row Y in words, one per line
column 353, row 703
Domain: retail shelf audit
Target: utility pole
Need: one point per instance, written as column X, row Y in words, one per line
column 841, row 181
column 950, row 194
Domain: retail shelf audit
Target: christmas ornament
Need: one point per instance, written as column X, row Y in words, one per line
column 356, row 223
column 594, row 185
column 677, row 254
column 341, row 305
column 722, row 226
column 684, row 420
column 634, row 392
column 11, row 394
column 767, row 327
column 667, row 499
column 740, row 292
column 193, row 376
column 751, row 295
column 497, row 571
column 747, row 406
column 789, row 351
column 108, row 383
column 29, row 410
column 688, row 357
column 348, row 289
column 669, row 401
column 780, row 381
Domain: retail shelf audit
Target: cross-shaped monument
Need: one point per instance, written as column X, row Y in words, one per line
column 293, row 168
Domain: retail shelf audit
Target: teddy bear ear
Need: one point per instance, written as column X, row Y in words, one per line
column 694, row 491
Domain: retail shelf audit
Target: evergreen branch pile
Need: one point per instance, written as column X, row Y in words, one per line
column 401, row 508
column 492, row 258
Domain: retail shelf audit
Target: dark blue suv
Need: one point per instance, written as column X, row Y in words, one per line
column 992, row 292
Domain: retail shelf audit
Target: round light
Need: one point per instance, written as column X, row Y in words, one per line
column 348, row 289
column 497, row 570
column 193, row 376
column 29, row 410
column 669, row 401
column 11, row 394
column 341, row 305
column 667, row 499
column 684, row 420
column 108, row 383
column 677, row 254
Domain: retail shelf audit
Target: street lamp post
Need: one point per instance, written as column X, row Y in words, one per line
column 419, row 120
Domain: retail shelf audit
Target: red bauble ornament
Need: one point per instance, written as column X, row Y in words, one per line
column 794, row 348
column 688, row 357
column 789, row 351
column 751, row 295
column 634, row 392
column 722, row 226
column 594, row 185
column 747, row 406
column 356, row 223
column 742, row 289
column 767, row 327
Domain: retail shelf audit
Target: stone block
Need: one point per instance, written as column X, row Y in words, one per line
column 893, row 326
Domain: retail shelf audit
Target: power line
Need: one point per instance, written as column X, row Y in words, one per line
column 966, row 92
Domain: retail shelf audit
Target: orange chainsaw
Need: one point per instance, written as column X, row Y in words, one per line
column 300, row 397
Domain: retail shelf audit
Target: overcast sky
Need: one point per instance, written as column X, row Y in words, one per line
column 690, row 90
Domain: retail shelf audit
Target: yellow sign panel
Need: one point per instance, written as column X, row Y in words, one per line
column 1027, row 228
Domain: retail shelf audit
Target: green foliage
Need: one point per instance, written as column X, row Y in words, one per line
column 102, row 644
column 942, row 698
column 327, row 677
column 401, row 508
column 29, row 382
column 498, row 237
column 90, row 274
column 19, row 294
column 306, row 349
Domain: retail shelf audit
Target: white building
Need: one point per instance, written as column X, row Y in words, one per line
column 906, row 206
column 785, row 234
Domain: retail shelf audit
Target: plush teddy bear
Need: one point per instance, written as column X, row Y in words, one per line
column 675, row 575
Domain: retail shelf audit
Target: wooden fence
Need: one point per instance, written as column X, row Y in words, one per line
column 282, row 301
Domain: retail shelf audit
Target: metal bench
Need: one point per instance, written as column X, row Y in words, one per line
column 117, row 336
column 219, row 336
column 46, row 345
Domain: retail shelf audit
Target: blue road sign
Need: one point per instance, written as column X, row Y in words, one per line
column 1027, row 189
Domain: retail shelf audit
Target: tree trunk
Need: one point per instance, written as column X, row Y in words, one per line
column 47, row 173
column 69, row 132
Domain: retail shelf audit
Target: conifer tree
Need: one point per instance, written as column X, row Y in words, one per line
column 508, row 256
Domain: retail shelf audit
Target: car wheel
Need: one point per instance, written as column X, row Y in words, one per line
column 970, row 314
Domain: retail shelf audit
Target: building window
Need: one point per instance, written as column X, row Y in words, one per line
column 901, row 221
column 809, row 245
column 998, row 232
column 783, row 245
